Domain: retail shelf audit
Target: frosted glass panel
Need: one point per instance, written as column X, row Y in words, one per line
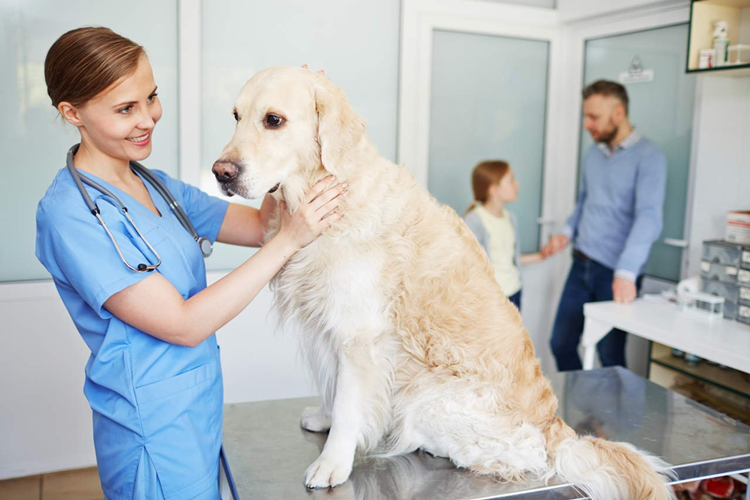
column 32, row 139
column 488, row 101
column 663, row 111
column 356, row 43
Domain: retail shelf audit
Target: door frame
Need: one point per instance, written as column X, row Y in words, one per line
column 419, row 18
column 575, row 35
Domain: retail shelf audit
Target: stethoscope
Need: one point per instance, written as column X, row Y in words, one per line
column 203, row 242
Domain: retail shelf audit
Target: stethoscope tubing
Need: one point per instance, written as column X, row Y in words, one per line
column 177, row 210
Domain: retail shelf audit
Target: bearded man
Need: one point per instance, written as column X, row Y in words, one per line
column 617, row 218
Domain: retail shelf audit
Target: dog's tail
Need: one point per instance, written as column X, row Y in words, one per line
column 606, row 470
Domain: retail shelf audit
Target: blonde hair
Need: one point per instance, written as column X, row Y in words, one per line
column 484, row 175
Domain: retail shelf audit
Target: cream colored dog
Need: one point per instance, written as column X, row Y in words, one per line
column 411, row 340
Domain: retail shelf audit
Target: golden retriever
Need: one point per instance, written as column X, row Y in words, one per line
column 412, row 343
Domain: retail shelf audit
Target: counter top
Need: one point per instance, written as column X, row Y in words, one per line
column 268, row 452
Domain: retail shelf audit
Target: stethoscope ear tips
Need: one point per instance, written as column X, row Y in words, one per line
column 142, row 267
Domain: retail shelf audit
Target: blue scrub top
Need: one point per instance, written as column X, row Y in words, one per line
column 157, row 407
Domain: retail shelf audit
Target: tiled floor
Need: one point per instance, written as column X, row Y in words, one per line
column 81, row 484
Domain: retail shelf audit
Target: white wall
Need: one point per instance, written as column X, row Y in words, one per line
column 45, row 421
column 545, row 4
column 722, row 158
column 573, row 10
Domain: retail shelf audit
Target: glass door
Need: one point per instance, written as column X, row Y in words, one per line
column 488, row 102
column 650, row 64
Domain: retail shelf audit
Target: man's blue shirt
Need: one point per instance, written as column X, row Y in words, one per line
column 620, row 204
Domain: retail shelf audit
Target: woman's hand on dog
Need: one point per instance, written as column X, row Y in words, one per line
column 315, row 215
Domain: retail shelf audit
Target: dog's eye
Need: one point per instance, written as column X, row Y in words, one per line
column 236, row 116
column 273, row 121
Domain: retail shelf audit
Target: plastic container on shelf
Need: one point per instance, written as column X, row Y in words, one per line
column 737, row 229
column 702, row 304
column 738, row 54
column 692, row 359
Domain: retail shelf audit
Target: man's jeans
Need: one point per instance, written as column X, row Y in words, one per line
column 588, row 281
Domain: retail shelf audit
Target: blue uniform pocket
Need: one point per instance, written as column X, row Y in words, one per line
column 181, row 418
column 172, row 385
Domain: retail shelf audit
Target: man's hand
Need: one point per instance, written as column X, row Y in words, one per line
column 555, row 244
column 623, row 290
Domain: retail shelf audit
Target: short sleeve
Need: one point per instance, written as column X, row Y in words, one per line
column 76, row 251
column 205, row 212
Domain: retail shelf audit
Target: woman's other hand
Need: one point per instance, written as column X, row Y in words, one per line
column 315, row 215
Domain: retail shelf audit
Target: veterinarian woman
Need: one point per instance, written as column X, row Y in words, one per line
column 154, row 378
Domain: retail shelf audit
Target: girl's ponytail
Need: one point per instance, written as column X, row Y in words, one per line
column 471, row 207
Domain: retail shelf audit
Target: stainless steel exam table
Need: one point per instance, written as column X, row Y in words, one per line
column 267, row 452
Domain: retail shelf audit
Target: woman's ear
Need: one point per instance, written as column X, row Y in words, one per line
column 340, row 128
column 70, row 113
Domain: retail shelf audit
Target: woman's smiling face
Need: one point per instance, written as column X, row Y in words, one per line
column 119, row 122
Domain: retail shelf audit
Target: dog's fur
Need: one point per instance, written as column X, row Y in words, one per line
column 410, row 338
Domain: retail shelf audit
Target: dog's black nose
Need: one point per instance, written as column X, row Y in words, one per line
column 225, row 170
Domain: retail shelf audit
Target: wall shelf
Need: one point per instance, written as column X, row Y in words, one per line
column 725, row 390
column 726, row 378
column 703, row 15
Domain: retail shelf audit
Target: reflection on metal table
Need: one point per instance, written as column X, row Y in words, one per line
column 268, row 452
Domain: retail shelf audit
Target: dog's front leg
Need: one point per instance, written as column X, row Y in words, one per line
column 355, row 392
column 315, row 419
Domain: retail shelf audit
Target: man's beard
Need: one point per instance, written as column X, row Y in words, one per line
column 608, row 137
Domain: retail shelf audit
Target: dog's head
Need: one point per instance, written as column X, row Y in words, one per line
column 293, row 125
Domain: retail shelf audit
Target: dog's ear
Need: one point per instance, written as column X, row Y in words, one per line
column 340, row 128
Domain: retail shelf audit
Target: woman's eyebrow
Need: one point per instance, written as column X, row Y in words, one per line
column 134, row 102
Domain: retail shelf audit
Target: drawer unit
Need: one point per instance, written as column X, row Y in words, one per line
column 730, row 310
column 719, row 272
column 744, row 295
column 722, row 252
column 730, row 292
column 743, row 314
column 745, row 262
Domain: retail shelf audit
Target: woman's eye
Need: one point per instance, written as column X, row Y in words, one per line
column 273, row 121
column 126, row 110
column 236, row 116
column 152, row 97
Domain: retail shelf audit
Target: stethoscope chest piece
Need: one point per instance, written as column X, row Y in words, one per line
column 205, row 245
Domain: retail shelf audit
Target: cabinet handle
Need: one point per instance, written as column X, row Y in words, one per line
column 673, row 242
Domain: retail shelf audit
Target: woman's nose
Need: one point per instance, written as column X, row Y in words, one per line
column 146, row 120
column 148, row 117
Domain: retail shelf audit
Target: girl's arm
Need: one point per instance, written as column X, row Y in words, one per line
column 154, row 306
column 531, row 258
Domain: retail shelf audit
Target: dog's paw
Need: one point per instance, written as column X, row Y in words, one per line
column 325, row 472
column 313, row 419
